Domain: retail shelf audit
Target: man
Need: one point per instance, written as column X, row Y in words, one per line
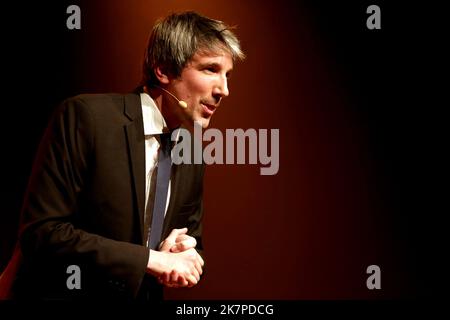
column 89, row 218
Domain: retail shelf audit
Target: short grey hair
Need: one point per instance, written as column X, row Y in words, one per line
column 175, row 39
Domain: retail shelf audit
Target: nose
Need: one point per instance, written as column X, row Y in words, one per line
column 221, row 89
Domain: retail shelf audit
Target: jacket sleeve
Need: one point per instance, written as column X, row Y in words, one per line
column 60, row 173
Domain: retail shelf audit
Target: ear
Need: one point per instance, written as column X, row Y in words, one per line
column 161, row 75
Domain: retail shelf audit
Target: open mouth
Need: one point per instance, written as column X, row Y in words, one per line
column 208, row 108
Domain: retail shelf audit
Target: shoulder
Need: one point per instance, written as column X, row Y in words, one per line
column 93, row 101
column 101, row 104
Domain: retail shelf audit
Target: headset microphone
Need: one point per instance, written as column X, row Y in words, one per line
column 181, row 103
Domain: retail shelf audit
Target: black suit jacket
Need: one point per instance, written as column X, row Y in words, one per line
column 85, row 201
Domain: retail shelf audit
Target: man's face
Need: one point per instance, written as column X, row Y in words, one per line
column 202, row 85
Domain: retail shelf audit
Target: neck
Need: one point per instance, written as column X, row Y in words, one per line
column 166, row 109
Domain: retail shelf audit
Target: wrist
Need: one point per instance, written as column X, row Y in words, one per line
column 154, row 262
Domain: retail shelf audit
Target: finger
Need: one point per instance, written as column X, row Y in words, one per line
column 176, row 233
column 166, row 277
column 200, row 259
column 178, row 246
column 196, row 274
column 198, row 268
column 173, row 277
column 171, row 285
column 182, row 282
column 184, row 245
column 171, row 239
column 182, row 237
column 177, row 280
column 182, row 231
column 188, row 241
column 192, row 281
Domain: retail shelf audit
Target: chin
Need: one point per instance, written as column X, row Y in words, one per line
column 203, row 122
column 196, row 124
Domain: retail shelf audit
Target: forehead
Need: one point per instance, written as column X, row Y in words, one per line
column 220, row 57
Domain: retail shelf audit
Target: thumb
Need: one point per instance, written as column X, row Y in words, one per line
column 176, row 233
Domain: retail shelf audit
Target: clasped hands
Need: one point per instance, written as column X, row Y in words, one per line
column 177, row 262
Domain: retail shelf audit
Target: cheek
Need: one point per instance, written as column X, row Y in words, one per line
column 199, row 86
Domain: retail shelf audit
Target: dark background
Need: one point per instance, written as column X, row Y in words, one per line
column 352, row 189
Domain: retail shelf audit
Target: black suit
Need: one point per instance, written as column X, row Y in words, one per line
column 85, row 203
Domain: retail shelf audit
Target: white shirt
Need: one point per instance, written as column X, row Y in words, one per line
column 154, row 124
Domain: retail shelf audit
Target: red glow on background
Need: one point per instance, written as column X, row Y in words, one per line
column 308, row 232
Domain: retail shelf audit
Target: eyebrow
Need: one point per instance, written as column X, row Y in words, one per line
column 213, row 64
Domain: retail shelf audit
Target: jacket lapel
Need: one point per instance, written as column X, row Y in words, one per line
column 134, row 132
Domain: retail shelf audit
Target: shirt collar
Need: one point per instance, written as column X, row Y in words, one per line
column 152, row 118
column 154, row 122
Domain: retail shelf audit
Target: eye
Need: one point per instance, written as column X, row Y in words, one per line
column 211, row 69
